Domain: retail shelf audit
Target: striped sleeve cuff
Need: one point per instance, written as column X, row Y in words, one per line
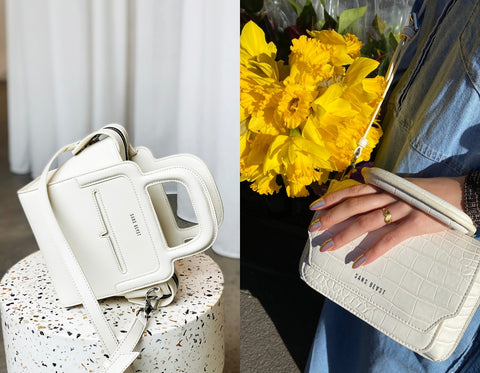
column 471, row 196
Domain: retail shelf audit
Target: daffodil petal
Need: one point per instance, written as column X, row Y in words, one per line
column 359, row 69
column 252, row 43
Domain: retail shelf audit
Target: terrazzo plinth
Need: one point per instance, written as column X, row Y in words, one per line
column 41, row 336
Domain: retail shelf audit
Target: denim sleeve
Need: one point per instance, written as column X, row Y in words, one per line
column 432, row 125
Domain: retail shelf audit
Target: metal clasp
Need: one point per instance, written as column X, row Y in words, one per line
column 413, row 19
column 151, row 301
column 409, row 31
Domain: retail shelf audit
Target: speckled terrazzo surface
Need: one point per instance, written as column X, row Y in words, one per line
column 40, row 336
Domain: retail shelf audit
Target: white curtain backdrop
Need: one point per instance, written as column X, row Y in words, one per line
column 165, row 69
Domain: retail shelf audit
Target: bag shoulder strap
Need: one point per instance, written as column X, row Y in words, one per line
column 407, row 33
column 121, row 354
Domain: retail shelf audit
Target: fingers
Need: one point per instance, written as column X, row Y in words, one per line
column 367, row 204
column 333, row 199
column 373, row 209
column 406, row 228
column 390, row 239
column 368, row 222
column 408, row 222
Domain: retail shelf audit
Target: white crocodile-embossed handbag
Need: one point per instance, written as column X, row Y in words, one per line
column 421, row 293
column 105, row 227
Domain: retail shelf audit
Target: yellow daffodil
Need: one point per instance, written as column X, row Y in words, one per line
column 258, row 57
column 253, row 45
column 353, row 45
column 303, row 119
column 309, row 62
column 337, row 45
column 299, row 160
column 295, row 105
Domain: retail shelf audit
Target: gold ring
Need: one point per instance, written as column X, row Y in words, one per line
column 387, row 216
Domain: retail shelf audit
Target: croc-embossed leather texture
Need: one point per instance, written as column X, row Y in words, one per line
column 422, row 293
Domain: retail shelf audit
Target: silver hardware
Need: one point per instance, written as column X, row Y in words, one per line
column 151, row 301
column 413, row 17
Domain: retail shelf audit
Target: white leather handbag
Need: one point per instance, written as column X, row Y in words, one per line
column 105, row 227
column 422, row 293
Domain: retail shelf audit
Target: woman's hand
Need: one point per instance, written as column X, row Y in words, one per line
column 369, row 203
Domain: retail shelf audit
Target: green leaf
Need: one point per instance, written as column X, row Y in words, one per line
column 330, row 23
column 349, row 16
column 295, row 132
column 392, row 41
column 382, row 44
column 379, row 25
column 298, row 8
column 383, row 67
column 369, row 49
column 308, row 17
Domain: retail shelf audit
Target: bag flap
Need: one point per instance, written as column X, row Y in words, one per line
column 420, row 282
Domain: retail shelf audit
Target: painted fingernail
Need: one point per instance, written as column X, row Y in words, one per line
column 327, row 245
column 315, row 225
column 317, row 204
column 359, row 261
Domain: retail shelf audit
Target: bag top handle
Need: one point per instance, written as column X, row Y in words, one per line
column 114, row 131
column 420, row 198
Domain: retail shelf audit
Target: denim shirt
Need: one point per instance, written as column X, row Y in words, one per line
column 431, row 128
column 432, row 125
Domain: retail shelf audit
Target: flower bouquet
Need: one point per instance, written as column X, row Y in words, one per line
column 301, row 120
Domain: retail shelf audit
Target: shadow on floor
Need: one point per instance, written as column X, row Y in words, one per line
column 273, row 235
